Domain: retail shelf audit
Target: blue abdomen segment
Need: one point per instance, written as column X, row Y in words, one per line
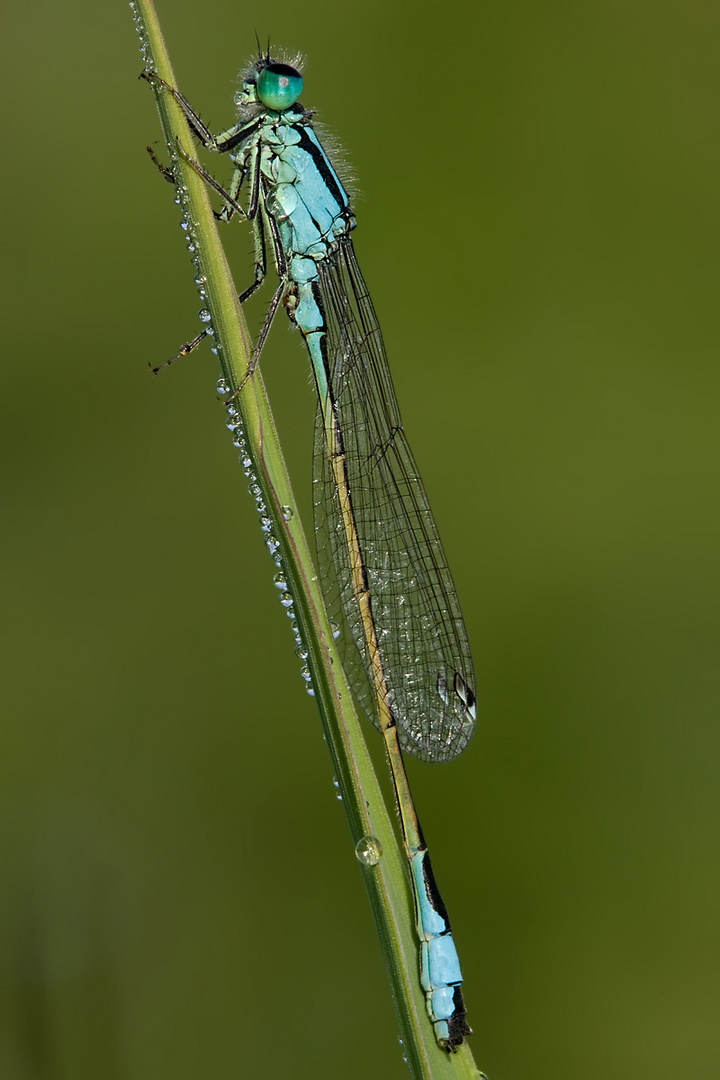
column 310, row 318
column 440, row 975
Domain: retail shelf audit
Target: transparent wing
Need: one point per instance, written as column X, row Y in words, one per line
column 419, row 625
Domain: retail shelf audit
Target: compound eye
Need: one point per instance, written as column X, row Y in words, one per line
column 279, row 86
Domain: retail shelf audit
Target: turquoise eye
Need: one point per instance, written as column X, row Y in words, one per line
column 279, row 86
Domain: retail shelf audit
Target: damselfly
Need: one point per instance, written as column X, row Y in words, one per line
column 383, row 569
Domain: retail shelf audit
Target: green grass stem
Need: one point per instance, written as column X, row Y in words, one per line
column 367, row 812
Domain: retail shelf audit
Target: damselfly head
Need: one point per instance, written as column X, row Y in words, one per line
column 279, row 86
column 274, row 84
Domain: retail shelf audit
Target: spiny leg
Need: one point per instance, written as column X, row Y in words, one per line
column 222, row 143
column 255, row 358
column 260, row 259
column 167, row 173
column 260, row 272
column 230, row 202
column 226, row 140
column 231, row 207
column 203, row 133
column 260, row 250
column 187, row 348
column 238, row 178
column 278, row 252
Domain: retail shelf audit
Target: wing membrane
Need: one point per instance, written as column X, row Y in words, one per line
column 420, row 630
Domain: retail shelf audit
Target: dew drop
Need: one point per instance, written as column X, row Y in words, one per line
column 368, row 851
column 287, row 512
column 286, row 600
column 204, row 315
column 279, row 581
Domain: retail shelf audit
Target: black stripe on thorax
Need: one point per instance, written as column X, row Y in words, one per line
column 318, row 156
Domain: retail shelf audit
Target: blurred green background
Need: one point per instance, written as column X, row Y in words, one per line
column 538, row 222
